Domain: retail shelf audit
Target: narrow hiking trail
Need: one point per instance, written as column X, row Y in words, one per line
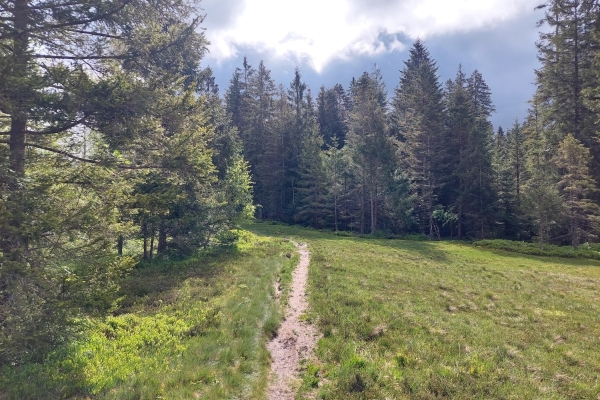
column 295, row 339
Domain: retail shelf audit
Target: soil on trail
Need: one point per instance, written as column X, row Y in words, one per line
column 295, row 339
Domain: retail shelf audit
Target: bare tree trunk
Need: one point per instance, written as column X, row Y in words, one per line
column 120, row 245
column 162, row 238
column 372, row 214
column 152, row 243
column 145, row 233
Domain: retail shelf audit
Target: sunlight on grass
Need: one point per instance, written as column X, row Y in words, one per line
column 190, row 329
column 420, row 320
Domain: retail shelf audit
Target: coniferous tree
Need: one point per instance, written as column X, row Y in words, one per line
column 105, row 101
column 371, row 147
column 460, row 124
column 540, row 201
column 470, row 136
column 336, row 166
column 418, row 123
column 296, row 134
column 509, row 164
column 332, row 107
column 576, row 186
column 566, row 50
column 314, row 183
column 260, row 134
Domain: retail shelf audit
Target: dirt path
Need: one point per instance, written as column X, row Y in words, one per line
column 295, row 339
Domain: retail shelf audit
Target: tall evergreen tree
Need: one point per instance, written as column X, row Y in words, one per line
column 509, row 164
column 418, row 123
column 566, row 51
column 370, row 147
column 540, row 201
column 576, row 186
column 470, row 135
column 332, row 107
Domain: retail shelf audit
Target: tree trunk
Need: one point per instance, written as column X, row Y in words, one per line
column 14, row 243
column 120, row 245
column 373, row 216
column 152, row 243
column 162, row 238
column 145, row 233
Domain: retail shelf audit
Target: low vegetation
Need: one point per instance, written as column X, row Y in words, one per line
column 420, row 320
column 401, row 319
column 193, row 328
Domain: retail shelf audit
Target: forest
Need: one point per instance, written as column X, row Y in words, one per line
column 425, row 158
column 117, row 146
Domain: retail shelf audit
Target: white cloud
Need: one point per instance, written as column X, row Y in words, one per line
column 321, row 31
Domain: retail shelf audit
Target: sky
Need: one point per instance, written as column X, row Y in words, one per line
column 331, row 41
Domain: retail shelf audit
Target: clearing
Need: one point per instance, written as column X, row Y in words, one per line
column 398, row 319
column 423, row 320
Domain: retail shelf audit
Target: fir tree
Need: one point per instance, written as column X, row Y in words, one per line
column 418, row 123
column 576, row 185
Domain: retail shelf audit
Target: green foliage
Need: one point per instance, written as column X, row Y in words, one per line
column 418, row 123
column 114, row 133
column 196, row 327
column 577, row 187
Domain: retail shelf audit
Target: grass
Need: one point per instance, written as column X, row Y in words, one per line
column 423, row 320
column 399, row 319
column 586, row 250
column 190, row 329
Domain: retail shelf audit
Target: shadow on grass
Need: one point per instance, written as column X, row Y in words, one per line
column 428, row 249
column 564, row 261
column 148, row 287
column 154, row 283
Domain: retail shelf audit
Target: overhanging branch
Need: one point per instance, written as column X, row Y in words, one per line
column 86, row 160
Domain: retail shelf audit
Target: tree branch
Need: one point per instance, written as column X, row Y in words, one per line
column 81, row 58
column 60, row 129
column 82, row 21
column 86, row 160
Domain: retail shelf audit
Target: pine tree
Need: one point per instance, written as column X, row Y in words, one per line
column 258, row 136
column 100, row 95
column 470, row 138
column 460, row 124
column 314, row 184
column 333, row 115
column 509, row 165
column 576, row 186
column 540, row 201
column 566, row 51
column 418, row 123
column 370, row 146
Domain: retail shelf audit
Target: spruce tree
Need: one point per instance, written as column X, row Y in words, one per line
column 333, row 115
column 576, row 185
column 566, row 50
column 370, row 147
column 541, row 200
column 418, row 124
column 471, row 191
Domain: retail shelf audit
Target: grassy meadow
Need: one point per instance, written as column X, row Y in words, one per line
column 399, row 319
column 423, row 320
column 190, row 329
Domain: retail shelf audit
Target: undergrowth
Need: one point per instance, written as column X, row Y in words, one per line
column 195, row 328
